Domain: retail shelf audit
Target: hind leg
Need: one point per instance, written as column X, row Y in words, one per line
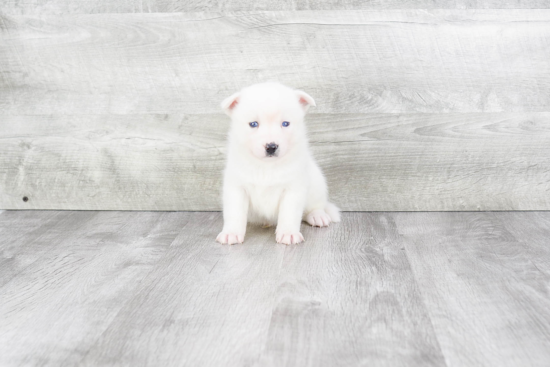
column 315, row 213
column 318, row 218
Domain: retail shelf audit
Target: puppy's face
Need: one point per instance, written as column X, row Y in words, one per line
column 268, row 119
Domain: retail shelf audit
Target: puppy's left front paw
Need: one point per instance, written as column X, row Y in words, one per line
column 289, row 238
column 318, row 218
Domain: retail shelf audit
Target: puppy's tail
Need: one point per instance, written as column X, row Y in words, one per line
column 333, row 212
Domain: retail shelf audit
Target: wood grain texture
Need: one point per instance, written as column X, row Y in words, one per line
column 72, row 292
column 350, row 61
column 216, row 303
column 120, row 111
column 347, row 297
column 532, row 229
column 152, row 6
column 477, row 161
column 14, row 225
column 137, row 162
column 487, row 299
column 377, row 289
column 22, row 247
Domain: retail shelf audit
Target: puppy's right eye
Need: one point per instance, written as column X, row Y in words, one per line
column 253, row 124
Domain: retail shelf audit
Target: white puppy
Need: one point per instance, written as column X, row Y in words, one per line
column 270, row 176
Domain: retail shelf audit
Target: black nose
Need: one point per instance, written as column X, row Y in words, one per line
column 271, row 148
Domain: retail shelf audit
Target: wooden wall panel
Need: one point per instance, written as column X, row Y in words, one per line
column 476, row 161
column 418, row 109
column 391, row 61
column 37, row 7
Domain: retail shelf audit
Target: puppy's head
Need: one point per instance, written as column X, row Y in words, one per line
column 267, row 119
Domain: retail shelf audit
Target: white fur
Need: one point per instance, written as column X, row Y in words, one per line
column 283, row 189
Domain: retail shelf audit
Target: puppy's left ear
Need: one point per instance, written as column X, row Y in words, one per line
column 305, row 99
column 229, row 103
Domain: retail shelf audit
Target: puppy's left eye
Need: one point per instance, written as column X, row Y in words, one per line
column 253, row 124
column 286, row 123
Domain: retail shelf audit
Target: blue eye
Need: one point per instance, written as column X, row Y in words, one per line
column 253, row 124
column 286, row 123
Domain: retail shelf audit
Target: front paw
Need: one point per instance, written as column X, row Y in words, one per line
column 289, row 238
column 229, row 238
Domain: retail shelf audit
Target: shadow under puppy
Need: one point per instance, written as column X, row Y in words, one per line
column 270, row 176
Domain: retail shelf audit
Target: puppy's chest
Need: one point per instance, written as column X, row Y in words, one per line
column 264, row 200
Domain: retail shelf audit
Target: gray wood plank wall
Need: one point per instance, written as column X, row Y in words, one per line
column 417, row 109
column 165, row 6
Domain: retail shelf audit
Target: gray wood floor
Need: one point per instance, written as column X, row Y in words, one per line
column 379, row 289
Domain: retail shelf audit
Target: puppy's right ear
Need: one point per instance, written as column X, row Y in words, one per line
column 229, row 103
column 305, row 99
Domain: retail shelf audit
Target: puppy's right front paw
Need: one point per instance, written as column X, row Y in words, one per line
column 229, row 238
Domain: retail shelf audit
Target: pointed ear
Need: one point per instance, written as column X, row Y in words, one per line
column 229, row 103
column 305, row 99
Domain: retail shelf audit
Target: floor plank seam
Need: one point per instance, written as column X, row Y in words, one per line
column 137, row 294
column 421, row 293
column 273, row 306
